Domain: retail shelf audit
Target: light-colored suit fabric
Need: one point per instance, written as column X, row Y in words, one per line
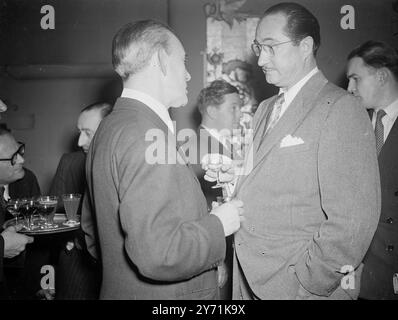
column 156, row 237
column 310, row 208
column 381, row 260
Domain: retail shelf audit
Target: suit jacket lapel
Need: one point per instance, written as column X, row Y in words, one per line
column 291, row 119
column 389, row 144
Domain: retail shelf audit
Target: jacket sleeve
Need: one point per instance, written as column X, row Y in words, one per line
column 350, row 198
column 168, row 233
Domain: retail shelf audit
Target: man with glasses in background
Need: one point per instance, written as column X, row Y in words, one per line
column 12, row 243
column 312, row 196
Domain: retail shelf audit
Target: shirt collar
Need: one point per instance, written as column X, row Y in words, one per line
column 151, row 103
column 392, row 110
column 216, row 134
column 290, row 94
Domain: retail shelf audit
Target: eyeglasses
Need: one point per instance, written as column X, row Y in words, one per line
column 14, row 157
column 268, row 49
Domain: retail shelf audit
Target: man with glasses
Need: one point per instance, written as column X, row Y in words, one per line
column 312, row 197
column 11, row 169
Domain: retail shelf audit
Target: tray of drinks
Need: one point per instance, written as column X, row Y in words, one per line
column 38, row 226
column 38, row 215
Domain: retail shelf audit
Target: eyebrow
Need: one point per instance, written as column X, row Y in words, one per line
column 268, row 39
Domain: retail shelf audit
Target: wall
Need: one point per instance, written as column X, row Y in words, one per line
column 82, row 38
column 83, row 34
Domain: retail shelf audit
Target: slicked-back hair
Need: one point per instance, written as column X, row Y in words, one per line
column 103, row 107
column 300, row 23
column 377, row 54
column 213, row 94
column 135, row 43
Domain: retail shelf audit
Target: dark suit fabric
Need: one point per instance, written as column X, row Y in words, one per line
column 22, row 272
column 381, row 260
column 70, row 176
column 312, row 198
column 156, row 238
column 201, row 144
column 77, row 275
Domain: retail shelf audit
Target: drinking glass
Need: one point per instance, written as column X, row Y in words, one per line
column 46, row 206
column 28, row 209
column 13, row 207
column 71, row 204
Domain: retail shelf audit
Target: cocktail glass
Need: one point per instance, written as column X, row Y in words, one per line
column 46, row 206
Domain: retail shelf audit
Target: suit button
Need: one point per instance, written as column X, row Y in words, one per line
column 390, row 220
column 390, row 248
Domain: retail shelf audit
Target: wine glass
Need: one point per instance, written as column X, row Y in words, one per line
column 13, row 207
column 46, row 206
column 28, row 209
column 216, row 162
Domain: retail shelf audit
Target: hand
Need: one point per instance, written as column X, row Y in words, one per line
column 225, row 174
column 230, row 215
column 14, row 243
column 222, row 275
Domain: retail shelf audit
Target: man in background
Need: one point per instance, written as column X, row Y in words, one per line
column 372, row 72
column 219, row 105
column 77, row 275
column 11, row 242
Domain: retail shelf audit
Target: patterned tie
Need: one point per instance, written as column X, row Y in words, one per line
column 379, row 130
column 276, row 112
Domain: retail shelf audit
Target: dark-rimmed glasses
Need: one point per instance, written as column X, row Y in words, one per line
column 267, row 48
column 14, row 157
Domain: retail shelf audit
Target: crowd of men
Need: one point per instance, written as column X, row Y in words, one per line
column 315, row 201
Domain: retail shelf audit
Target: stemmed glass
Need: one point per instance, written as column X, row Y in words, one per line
column 216, row 162
column 46, row 206
column 13, row 207
column 28, row 209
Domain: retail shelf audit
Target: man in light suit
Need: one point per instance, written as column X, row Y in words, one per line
column 373, row 78
column 156, row 237
column 312, row 195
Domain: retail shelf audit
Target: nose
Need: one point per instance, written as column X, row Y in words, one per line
column 351, row 87
column 263, row 58
column 82, row 140
column 20, row 159
column 187, row 76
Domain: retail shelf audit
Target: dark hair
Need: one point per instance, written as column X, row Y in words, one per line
column 301, row 22
column 103, row 107
column 135, row 43
column 213, row 95
column 377, row 54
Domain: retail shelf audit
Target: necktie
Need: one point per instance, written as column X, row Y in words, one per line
column 276, row 112
column 379, row 130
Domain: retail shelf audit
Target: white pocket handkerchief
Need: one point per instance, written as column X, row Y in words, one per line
column 290, row 141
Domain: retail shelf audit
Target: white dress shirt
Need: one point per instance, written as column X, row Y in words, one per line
column 389, row 119
column 290, row 94
column 151, row 103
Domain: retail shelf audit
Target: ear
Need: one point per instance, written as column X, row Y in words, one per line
column 382, row 75
column 162, row 58
column 307, row 45
column 212, row 111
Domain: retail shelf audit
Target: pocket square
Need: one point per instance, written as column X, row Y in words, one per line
column 290, row 141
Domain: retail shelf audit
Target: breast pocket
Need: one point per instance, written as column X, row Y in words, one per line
column 296, row 148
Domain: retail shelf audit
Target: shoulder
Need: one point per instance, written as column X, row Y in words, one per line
column 72, row 158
